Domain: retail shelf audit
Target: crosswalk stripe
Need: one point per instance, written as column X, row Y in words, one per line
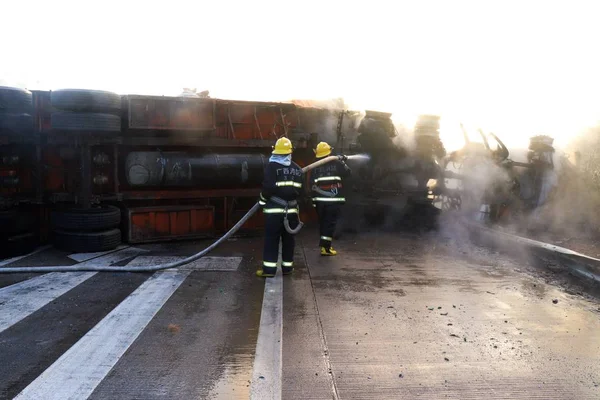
column 24, row 298
column 202, row 264
column 81, row 257
column 77, row 373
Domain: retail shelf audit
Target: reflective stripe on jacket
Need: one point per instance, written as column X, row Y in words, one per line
column 283, row 183
column 280, row 210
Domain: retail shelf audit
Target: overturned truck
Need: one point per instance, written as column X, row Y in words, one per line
column 87, row 170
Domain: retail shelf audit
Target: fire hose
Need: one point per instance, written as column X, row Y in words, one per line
column 158, row 267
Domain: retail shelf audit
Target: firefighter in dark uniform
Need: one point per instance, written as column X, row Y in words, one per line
column 282, row 186
column 328, row 196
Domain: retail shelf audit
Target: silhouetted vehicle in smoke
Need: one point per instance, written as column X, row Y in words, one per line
column 395, row 186
column 490, row 186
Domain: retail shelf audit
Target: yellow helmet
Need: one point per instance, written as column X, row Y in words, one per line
column 282, row 146
column 323, row 149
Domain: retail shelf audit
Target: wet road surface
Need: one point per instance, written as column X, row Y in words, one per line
column 398, row 324
column 199, row 344
column 393, row 316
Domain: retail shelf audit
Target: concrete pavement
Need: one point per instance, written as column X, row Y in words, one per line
column 403, row 317
column 395, row 315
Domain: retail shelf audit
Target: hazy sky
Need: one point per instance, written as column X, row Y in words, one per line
column 515, row 68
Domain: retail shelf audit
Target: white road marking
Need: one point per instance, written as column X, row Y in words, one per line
column 77, row 373
column 12, row 260
column 203, row 264
column 24, row 298
column 81, row 257
column 266, row 372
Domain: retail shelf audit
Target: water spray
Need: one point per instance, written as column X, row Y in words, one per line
column 174, row 264
column 359, row 157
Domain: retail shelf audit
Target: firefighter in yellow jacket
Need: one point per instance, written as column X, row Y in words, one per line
column 328, row 196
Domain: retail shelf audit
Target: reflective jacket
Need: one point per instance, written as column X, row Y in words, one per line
column 281, row 183
column 327, row 182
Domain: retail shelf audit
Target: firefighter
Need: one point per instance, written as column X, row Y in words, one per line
column 328, row 197
column 281, row 187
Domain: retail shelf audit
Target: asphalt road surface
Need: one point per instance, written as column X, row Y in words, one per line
column 395, row 315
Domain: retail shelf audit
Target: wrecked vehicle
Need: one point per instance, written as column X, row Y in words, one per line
column 492, row 187
column 87, row 170
column 394, row 186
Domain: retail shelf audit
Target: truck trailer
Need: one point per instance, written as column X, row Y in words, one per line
column 88, row 169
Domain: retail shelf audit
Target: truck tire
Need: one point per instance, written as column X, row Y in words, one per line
column 15, row 122
column 15, row 100
column 18, row 245
column 15, row 222
column 91, row 122
column 87, row 220
column 87, row 242
column 86, row 100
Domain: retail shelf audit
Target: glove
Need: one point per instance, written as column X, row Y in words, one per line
column 342, row 158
